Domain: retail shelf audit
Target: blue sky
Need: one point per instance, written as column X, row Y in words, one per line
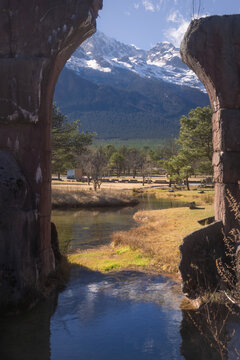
column 146, row 22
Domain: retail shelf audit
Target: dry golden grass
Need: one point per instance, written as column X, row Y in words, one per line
column 185, row 196
column 69, row 197
column 154, row 244
column 161, row 232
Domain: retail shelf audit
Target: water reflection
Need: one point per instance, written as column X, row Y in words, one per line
column 212, row 332
column 88, row 228
column 27, row 336
column 118, row 316
column 127, row 316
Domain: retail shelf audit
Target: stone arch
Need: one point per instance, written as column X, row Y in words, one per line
column 37, row 38
column 36, row 41
column 211, row 48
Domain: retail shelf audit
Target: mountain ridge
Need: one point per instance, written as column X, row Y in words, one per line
column 121, row 103
column 161, row 62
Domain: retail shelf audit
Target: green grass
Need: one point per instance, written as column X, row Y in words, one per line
column 160, row 233
column 106, row 258
column 154, row 244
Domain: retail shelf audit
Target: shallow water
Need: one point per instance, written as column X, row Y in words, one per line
column 117, row 316
column 127, row 316
column 88, row 228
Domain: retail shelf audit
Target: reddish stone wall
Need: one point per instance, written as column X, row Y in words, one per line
column 37, row 38
column 211, row 48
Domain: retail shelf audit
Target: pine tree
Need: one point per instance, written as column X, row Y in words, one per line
column 195, row 142
column 68, row 141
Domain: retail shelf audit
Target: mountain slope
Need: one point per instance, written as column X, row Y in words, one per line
column 123, row 103
column 107, row 55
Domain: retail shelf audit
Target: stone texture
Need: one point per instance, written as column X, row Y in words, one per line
column 226, row 130
column 222, row 209
column 37, row 38
column 20, row 261
column 226, row 167
column 211, row 48
column 199, row 252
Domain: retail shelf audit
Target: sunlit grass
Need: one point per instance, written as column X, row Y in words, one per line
column 72, row 197
column 160, row 234
column 106, row 258
column 154, row 244
column 186, row 195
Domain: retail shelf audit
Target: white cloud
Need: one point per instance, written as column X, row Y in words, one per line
column 157, row 5
column 175, row 17
column 148, row 5
column 175, row 34
column 136, row 5
column 154, row 5
column 127, row 13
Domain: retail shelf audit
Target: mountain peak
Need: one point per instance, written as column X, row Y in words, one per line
column 105, row 54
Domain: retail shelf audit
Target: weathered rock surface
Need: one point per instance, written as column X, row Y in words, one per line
column 37, row 38
column 211, row 48
column 199, row 252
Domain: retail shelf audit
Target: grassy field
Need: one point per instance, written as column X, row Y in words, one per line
column 193, row 195
column 154, row 244
column 75, row 196
column 107, row 258
column 160, row 234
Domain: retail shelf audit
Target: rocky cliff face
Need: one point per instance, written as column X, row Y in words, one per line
column 36, row 41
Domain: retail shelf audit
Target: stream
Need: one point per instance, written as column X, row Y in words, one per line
column 125, row 315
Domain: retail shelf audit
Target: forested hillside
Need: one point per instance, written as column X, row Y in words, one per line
column 132, row 107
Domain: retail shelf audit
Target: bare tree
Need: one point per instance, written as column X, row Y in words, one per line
column 93, row 163
column 145, row 167
column 134, row 161
column 98, row 161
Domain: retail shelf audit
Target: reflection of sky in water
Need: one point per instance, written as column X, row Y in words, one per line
column 129, row 316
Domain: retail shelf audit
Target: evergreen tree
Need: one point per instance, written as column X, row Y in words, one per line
column 67, row 141
column 195, row 141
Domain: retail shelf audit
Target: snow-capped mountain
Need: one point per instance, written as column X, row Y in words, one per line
column 120, row 91
column 106, row 55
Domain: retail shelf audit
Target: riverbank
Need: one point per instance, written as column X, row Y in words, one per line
column 69, row 197
column 201, row 196
column 154, row 244
column 66, row 195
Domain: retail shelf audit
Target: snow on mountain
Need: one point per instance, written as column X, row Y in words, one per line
column 105, row 54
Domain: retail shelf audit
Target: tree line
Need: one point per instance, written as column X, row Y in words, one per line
column 189, row 154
